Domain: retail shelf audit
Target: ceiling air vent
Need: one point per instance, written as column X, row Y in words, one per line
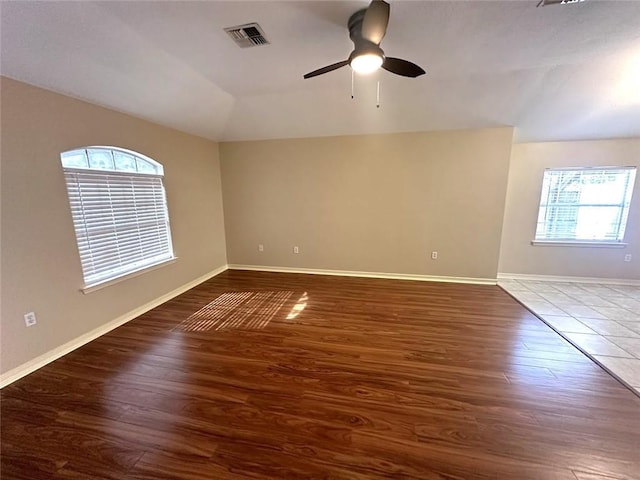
column 249, row 35
column 544, row 3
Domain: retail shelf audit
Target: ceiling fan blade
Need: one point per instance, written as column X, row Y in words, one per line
column 402, row 67
column 375, row 22
column 328, row 68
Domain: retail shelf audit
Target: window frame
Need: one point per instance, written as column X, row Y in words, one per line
column 624, row 206
column 140, row 240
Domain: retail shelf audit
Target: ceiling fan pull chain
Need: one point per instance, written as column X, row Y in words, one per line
column 378, row 95
column 351, row 84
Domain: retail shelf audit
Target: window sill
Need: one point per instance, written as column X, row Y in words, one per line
column 100, row 285
column 572, row 243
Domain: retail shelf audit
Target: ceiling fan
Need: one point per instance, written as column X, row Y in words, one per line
column 367, row 28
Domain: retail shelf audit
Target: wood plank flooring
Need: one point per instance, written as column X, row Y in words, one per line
column 282, row 376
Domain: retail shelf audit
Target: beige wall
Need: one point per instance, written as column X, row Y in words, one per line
column 528, row 162
column 378, row 203
column 40, row 265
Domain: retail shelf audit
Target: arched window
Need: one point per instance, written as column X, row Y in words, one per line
column 119, row 212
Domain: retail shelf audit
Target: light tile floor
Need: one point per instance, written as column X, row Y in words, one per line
column 603, row 321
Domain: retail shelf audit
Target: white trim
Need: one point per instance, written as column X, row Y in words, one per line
column 556, row 278
column 576, row 243
column 594, row 167
column 125, row 276
column 349, row 273
column 48, row 357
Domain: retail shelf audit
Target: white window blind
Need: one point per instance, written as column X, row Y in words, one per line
column 585, row 204
column 120, row 216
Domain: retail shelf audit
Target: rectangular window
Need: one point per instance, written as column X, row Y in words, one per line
column 585, row 204
column 120, row 220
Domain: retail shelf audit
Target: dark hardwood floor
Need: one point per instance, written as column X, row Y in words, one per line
column 264, row 375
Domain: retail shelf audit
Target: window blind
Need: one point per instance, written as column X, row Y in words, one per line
column 587, row 204
column 120, row 220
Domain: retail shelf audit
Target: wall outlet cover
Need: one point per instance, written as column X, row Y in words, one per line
column 30, row 319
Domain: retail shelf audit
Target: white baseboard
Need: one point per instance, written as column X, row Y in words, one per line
column 48, row 357
column 556, row 278
column 348, row 273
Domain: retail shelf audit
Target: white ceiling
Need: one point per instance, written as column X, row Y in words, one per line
column 562, row 72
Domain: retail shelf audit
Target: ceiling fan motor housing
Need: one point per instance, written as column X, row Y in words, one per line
column 361, row 45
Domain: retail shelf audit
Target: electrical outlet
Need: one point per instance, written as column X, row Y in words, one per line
column 261, row 248
column 627, row 257
column 434, row 255
column 296, row 250
column 30, row 319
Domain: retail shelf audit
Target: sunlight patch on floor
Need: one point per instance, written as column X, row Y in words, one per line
column 237, row 310
column 298, row 307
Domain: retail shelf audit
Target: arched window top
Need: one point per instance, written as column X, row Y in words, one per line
column 111, row 159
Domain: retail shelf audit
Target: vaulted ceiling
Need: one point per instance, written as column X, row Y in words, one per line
column 562, row 72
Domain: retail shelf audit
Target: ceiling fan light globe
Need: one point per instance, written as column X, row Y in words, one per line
column 366, row 63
